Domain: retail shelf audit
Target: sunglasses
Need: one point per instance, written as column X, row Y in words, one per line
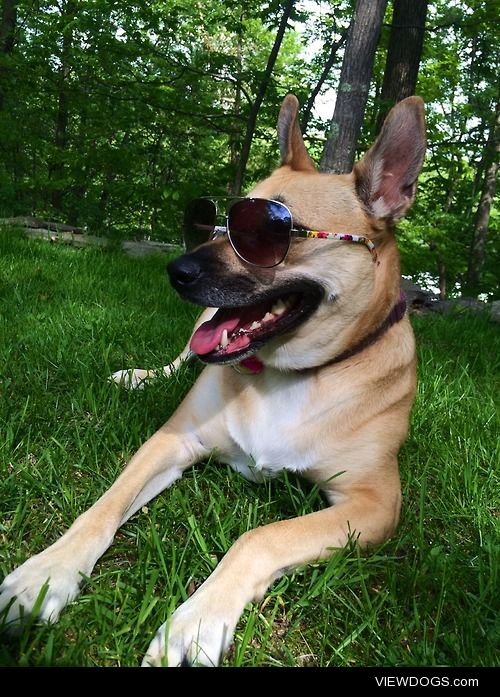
column 259, row 230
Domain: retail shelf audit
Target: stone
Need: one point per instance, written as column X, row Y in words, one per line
column 495, row 311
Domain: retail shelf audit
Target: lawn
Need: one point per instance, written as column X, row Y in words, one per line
column 429, row 597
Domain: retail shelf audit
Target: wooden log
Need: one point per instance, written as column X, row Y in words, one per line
column 134, row 248
column 30, row 222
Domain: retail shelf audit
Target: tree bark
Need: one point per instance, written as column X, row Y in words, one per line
column 56, row 168
column 235, row 134
column 355, row 77
column 434, row 247
column 482, row 219
column 254, row 109
column 441, row 267
column 403, row 56
column 7, row 42
column 8, row 26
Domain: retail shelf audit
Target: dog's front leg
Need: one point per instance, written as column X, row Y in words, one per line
column 201, row 630
column 63, row 565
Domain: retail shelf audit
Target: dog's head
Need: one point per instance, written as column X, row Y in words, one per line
column 326, row 295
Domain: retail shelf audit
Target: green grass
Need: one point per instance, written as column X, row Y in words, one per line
column 429, row 597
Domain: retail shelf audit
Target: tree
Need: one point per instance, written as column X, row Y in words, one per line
column 8, row 26
column 259, row 97
column 123, row 111
column 112, row 115
column 329, row 63
column 56, row 166
column 482, row 218
column 458, row 80
column 355, row 78
column 8, row 22
column 403, row 55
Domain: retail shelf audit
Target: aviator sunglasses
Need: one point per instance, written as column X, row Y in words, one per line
column 259, row 230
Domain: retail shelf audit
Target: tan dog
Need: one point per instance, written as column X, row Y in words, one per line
column 332, row 400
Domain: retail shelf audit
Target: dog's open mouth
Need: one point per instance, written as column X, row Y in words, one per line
column 234, row 333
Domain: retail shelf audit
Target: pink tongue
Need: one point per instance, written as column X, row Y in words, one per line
column 208, row 336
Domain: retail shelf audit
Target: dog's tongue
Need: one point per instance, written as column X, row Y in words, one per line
column 208, row 336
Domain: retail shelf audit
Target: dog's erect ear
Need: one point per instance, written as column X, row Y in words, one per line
column 386, row 177
column 292, row 148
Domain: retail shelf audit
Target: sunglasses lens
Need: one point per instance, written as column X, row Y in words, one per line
column 199, row 222
column 259, row 231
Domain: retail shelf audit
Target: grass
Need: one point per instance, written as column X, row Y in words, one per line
column 429, row 597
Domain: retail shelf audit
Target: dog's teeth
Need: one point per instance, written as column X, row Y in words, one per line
column 268, row 317
column 224, row 340
column 255, row 325
column 278, row 308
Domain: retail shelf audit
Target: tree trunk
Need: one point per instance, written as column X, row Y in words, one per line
column 109, row 176
column 7, row 41
column 254, row 109
column 56, row 168
column 441, row 267
column 404, row 54
column 355, row 77
column 235, row 134
column 434, row 247
column 480, row 233
column 8, row 26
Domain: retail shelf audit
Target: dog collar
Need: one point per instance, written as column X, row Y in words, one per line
column 396, row 315
column 254, row 366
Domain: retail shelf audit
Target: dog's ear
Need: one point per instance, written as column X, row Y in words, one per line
column 292, row 148
column 386, row 177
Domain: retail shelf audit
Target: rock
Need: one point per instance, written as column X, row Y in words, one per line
column 471, row 303
column 141, row 248
column 495, row 311
column 417, row 298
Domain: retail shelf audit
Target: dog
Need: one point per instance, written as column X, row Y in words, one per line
column 310, row 367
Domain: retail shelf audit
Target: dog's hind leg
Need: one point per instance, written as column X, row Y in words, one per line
column 59, row 571
column 201, row 630
column 136, row 378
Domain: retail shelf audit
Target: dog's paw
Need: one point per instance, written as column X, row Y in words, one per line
column 196, row 634
column 41, row 587
column 131, row 379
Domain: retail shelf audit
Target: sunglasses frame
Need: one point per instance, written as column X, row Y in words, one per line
column 222, row 230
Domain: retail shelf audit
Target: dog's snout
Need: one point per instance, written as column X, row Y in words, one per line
column 184, row 271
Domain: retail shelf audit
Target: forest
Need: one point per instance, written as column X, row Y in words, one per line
column 114, row 114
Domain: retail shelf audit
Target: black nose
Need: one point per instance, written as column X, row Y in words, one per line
column 184, row 271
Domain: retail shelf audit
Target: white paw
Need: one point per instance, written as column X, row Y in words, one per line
column 43, row 585
column 131, row 379
column 197, row 633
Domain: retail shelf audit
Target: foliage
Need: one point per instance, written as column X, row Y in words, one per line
column 149, row 93
column 112, row 114
column 458, row 81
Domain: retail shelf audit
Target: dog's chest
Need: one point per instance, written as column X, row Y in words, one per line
column 266, row 427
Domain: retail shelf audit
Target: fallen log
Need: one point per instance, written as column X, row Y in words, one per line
column 134, row 248
column 31, row 223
